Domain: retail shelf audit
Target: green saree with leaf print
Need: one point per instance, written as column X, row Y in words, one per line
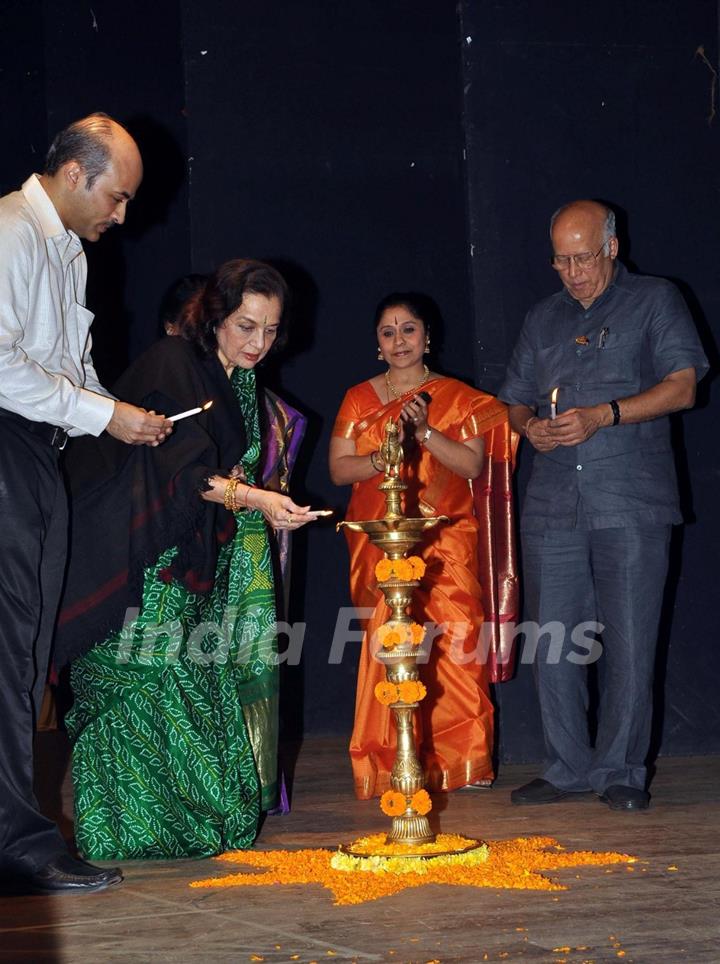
column 174, row 725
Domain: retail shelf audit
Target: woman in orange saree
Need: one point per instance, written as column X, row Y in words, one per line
column 446, row 441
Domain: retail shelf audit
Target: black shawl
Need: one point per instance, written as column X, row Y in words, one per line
column 130, row 503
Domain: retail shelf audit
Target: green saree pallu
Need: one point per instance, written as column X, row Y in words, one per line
column 175, row 720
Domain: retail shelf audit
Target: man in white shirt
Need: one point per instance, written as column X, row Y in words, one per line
column 49, row 390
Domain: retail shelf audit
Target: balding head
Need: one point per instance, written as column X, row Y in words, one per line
column 592, row 210
column 584, row 248
column 93, row 169
column 91, row 141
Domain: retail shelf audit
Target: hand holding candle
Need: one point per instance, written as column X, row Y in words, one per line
column 553, row 402
column 190, row 411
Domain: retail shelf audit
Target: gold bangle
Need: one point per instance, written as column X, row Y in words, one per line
column 229, row 495
column 374, row 456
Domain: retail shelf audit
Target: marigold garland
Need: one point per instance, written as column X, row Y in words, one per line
column 421, row 802
column 375, row 844
column 406, row 570
column 393, row 803
column 406, row 865
column 510, row 864
column 409, row 691
column 394, row 633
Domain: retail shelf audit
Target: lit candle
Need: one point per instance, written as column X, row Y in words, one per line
column 553, row 403
column 190, row 411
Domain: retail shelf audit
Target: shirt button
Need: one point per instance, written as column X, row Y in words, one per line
column 578, row 352
column 579, row 468
column 578, row 387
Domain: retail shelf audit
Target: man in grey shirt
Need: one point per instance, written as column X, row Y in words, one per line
column 623, row 353
column 49, row 390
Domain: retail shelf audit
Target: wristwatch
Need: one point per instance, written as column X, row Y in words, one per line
column 426, row 436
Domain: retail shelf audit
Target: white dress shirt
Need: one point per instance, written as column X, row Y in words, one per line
column 46, row 372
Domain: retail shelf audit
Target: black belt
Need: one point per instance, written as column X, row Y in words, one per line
column 52, row 434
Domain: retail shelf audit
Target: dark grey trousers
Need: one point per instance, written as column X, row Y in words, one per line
column 615, row 577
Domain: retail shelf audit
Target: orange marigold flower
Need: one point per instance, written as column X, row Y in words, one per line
column 383, row 570
column 421, row 802
column 392, row 634
column 402, row 633
column 407, row 691
column 382, row 631
column 411, row 690
column 386, row 693
column 393, row 803
column 391, row 640
column 418, row 567
column 403, row 570
column 417, row 633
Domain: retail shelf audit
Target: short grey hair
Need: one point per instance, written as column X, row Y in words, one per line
column 609, row 227
column 86, row 141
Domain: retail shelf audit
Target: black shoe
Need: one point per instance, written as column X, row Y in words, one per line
column 538, row 791
column 66, row 873
column 625, row 798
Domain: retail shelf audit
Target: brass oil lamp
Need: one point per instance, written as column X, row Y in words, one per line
column 395, row 534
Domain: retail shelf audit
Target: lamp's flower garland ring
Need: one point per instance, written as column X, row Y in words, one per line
column 406, row 570
column 394, row 633
column 393, row 803
column 409, row 691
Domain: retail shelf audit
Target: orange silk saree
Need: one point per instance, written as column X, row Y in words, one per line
column 455, row 721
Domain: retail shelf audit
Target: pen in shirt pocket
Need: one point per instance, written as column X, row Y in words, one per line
column 602, row 337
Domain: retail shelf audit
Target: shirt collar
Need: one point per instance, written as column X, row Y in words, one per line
column 618, row 275
column 66, row 241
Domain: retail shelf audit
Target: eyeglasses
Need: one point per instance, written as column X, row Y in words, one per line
column 561, row 262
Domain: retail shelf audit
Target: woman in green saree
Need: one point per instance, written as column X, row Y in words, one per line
column 174, row 725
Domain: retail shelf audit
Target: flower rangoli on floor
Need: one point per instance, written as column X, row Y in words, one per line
column 503, row 864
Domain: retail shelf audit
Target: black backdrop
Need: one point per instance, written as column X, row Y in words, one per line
column 365, row 147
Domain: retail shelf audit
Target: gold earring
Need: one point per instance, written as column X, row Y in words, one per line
column 427, row 346
column 380, row 354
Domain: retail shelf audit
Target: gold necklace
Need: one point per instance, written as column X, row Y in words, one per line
column 394, row 392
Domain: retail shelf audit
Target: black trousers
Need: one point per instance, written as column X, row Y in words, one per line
column 33, row 548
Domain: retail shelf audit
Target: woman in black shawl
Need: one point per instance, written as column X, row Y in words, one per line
column 169, row 611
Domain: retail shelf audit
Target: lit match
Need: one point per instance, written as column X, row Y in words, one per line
column 553, row 403
column 190, row 411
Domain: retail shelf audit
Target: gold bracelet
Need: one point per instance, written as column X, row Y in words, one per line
column 229, row 495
